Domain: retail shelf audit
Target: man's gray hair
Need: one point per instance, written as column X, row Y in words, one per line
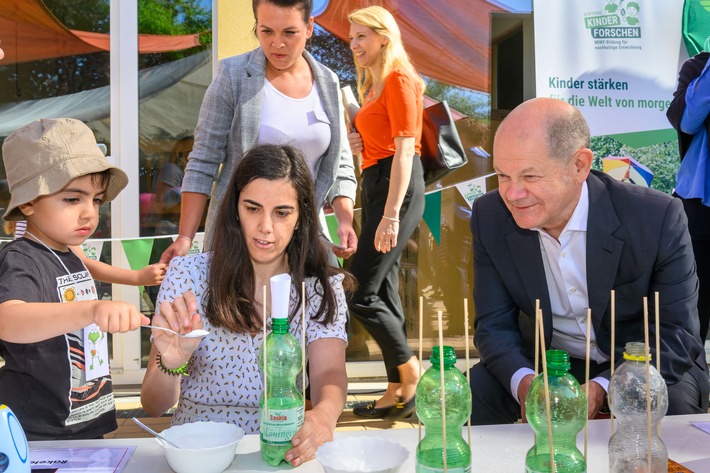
column 566, row 133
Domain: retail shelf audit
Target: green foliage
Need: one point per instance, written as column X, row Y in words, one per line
column 662, row 159
column 335, row 54
column 604, row 146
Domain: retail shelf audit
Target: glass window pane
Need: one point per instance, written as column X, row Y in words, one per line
column 172, row 85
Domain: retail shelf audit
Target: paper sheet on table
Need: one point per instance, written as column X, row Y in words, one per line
column 704, row 426
column 86, row 459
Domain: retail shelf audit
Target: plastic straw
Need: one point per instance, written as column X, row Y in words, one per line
column 421, row 356
column 586, row 378
column 537, row 340
column 303, row 338
column 613, row 344
column 443, row 389
column 548, row 411
column 648, row 378
column 468, row 366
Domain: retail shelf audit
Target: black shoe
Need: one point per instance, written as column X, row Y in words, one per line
column 398, row 411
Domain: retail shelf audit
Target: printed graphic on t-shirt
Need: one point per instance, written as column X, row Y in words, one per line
column 80, row 287
column 91, row 389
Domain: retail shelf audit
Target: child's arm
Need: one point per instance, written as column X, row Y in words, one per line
column 31, row 322
column 151, row 275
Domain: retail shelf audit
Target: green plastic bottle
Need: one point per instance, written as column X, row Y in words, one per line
column 568, row 411
column 281, row 407
column 430, row 451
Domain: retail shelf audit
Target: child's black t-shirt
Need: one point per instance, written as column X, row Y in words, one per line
column 44, row 382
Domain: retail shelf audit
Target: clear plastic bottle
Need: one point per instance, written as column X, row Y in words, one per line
column 282, row 408
column 568, row 412
column 430, row 451
column 628, row 447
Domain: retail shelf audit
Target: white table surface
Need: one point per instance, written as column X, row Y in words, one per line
column 493, row 448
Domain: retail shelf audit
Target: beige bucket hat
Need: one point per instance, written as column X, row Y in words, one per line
column 43, row 157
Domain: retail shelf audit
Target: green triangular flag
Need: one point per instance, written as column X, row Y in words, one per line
column 432, row 214
column 138, row 253
column 332, row 223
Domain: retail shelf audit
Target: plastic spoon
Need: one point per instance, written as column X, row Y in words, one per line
column 151, row 431
column 194, row 334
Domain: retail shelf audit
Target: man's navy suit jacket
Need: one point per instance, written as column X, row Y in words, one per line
column 637, row 243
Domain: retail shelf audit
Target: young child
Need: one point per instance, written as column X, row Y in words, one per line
column 52, row 329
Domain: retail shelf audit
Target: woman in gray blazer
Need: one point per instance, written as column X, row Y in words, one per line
column 275, row 94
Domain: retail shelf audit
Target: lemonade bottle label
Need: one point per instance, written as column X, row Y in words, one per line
column 278, row 426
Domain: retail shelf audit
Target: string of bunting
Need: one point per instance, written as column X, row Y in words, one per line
column 138, row 249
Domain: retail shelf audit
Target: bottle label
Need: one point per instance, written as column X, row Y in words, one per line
column 280, row 425
column 427, row 469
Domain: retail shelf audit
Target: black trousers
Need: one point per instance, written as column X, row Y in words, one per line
column 699, row 228
column 493, row 404
column 376, row 303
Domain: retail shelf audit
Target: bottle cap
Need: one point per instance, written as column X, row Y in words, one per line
column 280, row 295
column 636, row 357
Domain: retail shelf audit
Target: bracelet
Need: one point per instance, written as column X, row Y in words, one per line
column 390, row 219
column 185, row 237
column 182, row 370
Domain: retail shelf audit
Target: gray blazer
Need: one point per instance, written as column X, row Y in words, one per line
column 637, row 243
column 228, row 126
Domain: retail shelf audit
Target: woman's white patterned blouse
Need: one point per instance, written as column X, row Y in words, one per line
column 225, row 382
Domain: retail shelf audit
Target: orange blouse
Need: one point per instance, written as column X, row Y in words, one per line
column 396, row 112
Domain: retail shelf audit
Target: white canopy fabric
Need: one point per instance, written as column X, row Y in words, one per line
column 170, row 95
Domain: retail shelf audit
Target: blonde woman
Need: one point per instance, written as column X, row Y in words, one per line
column 389, row 128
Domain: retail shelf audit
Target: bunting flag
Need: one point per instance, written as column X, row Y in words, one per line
column 332, row 224
column 138, row 253
column 432, row 214
column 92, row 249
column 472, row 190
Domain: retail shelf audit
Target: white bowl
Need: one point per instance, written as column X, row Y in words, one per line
column 361, row 454
column 205, row 447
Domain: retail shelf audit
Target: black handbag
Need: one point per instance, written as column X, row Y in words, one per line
column 442, row 150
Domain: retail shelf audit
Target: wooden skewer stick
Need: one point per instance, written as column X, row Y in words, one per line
column 586, row 378
column 658, row 332
column 468, row 366
column 648, row 379
column 421, row 359
column 266, row 397
column 443, row 389
column 304, row 326
column 658, row 340
column 537, row 339
column 548, row 412
column 613, row 344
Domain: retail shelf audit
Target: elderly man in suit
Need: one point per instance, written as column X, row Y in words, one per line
column 558, row 232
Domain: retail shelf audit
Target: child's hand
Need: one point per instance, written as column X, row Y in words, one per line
column 151, row 275
column 181, row 316
column 117, row 316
